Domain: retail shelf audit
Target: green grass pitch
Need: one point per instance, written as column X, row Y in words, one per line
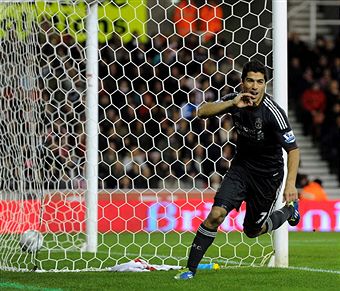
column 314, row 260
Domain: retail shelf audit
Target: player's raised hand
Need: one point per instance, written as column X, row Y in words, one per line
column 243, row 100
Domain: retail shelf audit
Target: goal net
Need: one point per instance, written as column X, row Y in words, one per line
column 101, row 150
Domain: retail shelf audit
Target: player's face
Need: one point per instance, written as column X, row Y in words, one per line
column 255, row 84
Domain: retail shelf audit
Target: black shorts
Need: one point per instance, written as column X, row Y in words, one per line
column 259, row 193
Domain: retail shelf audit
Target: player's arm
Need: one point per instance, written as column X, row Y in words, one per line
column 287, row 140
column 290, row 192
column 211, row 109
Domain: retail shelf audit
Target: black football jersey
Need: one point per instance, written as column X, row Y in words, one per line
column 262, row 132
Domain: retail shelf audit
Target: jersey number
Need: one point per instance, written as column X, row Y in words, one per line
column 263, row 215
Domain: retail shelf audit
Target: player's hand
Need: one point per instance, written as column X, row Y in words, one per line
column 290, row 194
column 243, row 100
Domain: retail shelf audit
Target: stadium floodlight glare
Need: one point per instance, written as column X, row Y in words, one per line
column 100, row 148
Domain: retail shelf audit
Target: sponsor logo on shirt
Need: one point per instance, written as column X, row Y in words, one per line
column 289, row 137
column 258, row 123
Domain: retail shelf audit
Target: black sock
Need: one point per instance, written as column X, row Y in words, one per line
column 278, row 217
column 202, row 241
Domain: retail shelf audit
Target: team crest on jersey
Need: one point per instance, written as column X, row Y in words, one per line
column 289, row 137
column 258, row 123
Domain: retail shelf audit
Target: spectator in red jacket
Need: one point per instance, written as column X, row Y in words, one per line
column 313, row 106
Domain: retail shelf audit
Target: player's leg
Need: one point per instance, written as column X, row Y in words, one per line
column 288, row 213
column 205, row 236
column 260, row 217
column 229, row 196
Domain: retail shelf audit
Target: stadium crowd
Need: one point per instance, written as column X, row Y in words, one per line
column 150, row 136
column 314, row 93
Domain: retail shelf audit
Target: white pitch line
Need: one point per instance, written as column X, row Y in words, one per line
column 314, row 270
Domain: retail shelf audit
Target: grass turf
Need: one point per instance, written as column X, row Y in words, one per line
column 314, row 265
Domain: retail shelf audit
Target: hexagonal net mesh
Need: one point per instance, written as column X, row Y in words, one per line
column 158, row 165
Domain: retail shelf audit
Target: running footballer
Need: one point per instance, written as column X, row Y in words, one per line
column 256, row 173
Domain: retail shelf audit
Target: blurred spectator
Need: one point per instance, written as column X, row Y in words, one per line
column 313, row 191
column 215, row 181
column 295, row 73
column 319, row 107
column 189, row 109
column 335, row 69
column 332, row 95
column 330, row 144
column 125, row 183
column 313, row 104
column 298, row 49
column 301, row 180
column 185, row 17
column 210, row 20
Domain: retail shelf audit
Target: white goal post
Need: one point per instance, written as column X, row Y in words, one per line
column 280, row 90
column 100, row 147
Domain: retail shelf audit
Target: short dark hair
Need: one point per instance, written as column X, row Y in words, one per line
column 318, row 180
column 254, row 66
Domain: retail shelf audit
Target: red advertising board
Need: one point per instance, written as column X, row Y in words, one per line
column 62, row 215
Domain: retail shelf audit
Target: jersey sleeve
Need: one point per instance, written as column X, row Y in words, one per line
column 282, row 128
